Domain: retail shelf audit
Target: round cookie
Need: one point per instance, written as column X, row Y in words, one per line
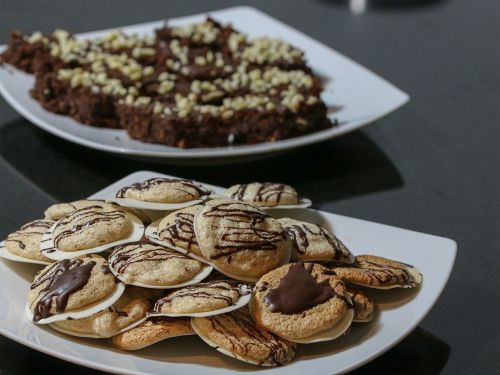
column 132, row 306
column 177, row 229
column 153, row 330
column 203, row 297
column 59, row 210
column 239, row 239
column 299, row 300
column 266, row 194
column 235, row 334
column 164, row 190
column 145, row 263
column 378, row 272
column 313, row 242
column 363, row 305
column 69, row 285
column 91, row 226
column 25, row 242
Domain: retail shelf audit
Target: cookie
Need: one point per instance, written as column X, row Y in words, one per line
column 25, row 242
column 240, row 240
column 164, row 190
column 177, row 229
column 59, row 210
column 131, row 307
column 363, row 305
column 267, row 194
column 378, row 272
column 90, row 227
column 300, row 300
column 74, row 288
column 204, row 299
column 147, row 264
column 90, row 230
column 313, row 242
column 235, row 334
column 153, row 330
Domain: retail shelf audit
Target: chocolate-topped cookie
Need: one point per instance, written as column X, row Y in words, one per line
column 74, row 288
column 300, row 300
column 177, row 229
column 266, row 194
column 153, row 330
column 91, row 226
column 59, row 210
column 235, row 334
column 25, row 242
column 204, row 299
column 313, row 242
column 147, row 264
column 131, row 307
column 363, row 305
column 239, row 239
column 164, row 190
column 379, row 272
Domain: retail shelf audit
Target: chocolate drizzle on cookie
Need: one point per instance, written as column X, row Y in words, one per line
column 299, row 291
column 266, row 192
column 250, row 237
column 35, row 227
column 63, row 279
column 189, row 187
column 381, row 274
column 124, row 255
column 246, row 336
column 90, row 216
column 300, row 235
column 217, row 289
column 180, row 230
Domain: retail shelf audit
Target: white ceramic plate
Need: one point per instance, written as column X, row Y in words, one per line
column 356, row 96
column 399, row 313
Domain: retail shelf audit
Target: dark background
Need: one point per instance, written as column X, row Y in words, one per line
column 433, row 166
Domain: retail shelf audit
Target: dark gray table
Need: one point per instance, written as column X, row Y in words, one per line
column 433, row 166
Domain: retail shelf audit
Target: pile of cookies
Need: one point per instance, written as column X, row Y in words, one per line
column 168, row 257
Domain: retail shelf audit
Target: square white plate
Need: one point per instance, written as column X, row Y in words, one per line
column 399, row 313
column 358, row 96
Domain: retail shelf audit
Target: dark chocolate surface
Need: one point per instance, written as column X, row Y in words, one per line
column 431, row 166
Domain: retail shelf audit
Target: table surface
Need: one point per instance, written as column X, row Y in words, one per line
column 431, row 166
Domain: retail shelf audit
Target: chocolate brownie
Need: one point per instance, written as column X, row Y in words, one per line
column 200, row 85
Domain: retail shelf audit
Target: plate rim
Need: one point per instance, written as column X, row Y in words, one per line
column 109, row 368
column 216, row 152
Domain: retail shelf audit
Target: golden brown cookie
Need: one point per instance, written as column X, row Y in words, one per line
column 363, row 305
column 153, row 330
column 91, row 226
column 266, row 194
column 378, row 272
column 313, row 242
column 204, row 298
column 235, row 334
column 59, row 210
column 299, row 300
column 145, row 263
column 132, row 306
column 71, row 285
column 25, row 242
column 164, row 190
column 177, row 229
column 239, row 239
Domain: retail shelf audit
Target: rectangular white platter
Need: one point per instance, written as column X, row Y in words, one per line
column 355, row 95
column 400, row 311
